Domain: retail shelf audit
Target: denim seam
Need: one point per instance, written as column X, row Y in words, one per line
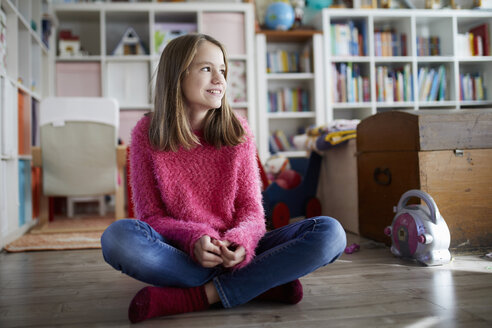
column 220, row 290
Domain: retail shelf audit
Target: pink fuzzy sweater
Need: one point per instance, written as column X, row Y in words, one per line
column 186, row 194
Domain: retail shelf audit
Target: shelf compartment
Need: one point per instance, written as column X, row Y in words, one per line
column 237, row 82
column 36, row 66
column 288, row 96
column 434, row 36
column 24, row 62
column 228, row 28
column 479, row 26
column 435, row 82
column 348, row 37
column 290, row 128
column 84, row 24
column 168, row 25
column 128, row 83
column 289, row 58
column 119, row 23
column 350, row 83
column 474, row 82
column 78, row 79
column 394, row 83
column 392, row 36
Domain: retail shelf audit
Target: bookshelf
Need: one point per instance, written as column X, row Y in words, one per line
column 290, row 86
column 399, row 48
column 24, row 69
column 100, row 69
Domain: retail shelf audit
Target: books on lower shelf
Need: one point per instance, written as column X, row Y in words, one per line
column 288, row 100
column 348, row 39
column 280, row 142
column 475, row 42
column 432, row 83
column 394, row 84
column 351, row 86
column 472, row 87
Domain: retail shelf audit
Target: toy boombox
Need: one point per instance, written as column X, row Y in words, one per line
column 419, row 232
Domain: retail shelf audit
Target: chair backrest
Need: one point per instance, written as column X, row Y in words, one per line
column 78, row 139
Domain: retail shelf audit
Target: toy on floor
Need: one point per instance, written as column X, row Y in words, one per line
column 293, row 191
column 419, row 232
column 352, row 248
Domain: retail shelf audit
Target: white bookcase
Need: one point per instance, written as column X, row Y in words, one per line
column 130, row 78
column 272, row 116
column 23, row 83
column 444, row 25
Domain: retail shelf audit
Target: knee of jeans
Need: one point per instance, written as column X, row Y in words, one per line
column 331, row 238
column 111, row 237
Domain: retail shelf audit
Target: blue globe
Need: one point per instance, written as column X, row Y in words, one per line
column 279, row 16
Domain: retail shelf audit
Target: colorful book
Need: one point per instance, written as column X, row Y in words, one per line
column 482, row 31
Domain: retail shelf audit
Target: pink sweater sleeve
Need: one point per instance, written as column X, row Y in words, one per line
column 249, row 213
column 147, row 197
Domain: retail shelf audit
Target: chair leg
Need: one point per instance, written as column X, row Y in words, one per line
column 70, row 207
column 102, row 206
column 119, row 206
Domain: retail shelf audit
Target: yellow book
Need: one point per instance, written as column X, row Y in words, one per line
column 284, row 60
column 472, row 48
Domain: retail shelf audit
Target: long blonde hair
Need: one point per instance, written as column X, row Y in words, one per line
column 170, row 128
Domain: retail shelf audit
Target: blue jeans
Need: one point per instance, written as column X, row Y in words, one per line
column 282, row 255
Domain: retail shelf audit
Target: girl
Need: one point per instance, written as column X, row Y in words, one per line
column 199, row 237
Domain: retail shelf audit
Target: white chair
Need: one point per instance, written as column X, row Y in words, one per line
column 78, row 153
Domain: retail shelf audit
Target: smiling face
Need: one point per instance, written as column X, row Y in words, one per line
column 204, row 84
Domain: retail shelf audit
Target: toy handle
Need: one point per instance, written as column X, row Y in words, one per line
column 429, row 201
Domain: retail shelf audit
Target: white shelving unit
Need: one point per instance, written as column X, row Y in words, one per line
column 130, row 78
column 23, row 83
column 443, row 24
column 311, row 80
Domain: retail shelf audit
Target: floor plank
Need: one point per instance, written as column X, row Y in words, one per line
column 370, row 288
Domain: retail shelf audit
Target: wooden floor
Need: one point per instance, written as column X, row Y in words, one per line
column 370, row 288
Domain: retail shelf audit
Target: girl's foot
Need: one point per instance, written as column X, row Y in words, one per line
column 290, row 293
column 152, row 302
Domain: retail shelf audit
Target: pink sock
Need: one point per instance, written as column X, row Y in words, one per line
column 152, row 302
column 290, row 293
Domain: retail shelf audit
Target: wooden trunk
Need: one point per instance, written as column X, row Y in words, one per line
column 447, row 154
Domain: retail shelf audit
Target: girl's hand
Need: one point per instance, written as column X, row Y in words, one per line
column 231, row 254
column 206, row 253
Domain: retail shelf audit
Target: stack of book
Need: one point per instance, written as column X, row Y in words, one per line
column 388, row 42
column 471, row 87
column 394, row 84
column 348, row 39
column 430, row 46
column 432, row 83
column 475, row 42
column 288, row 100
column 281, row 61
column 351, row 86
